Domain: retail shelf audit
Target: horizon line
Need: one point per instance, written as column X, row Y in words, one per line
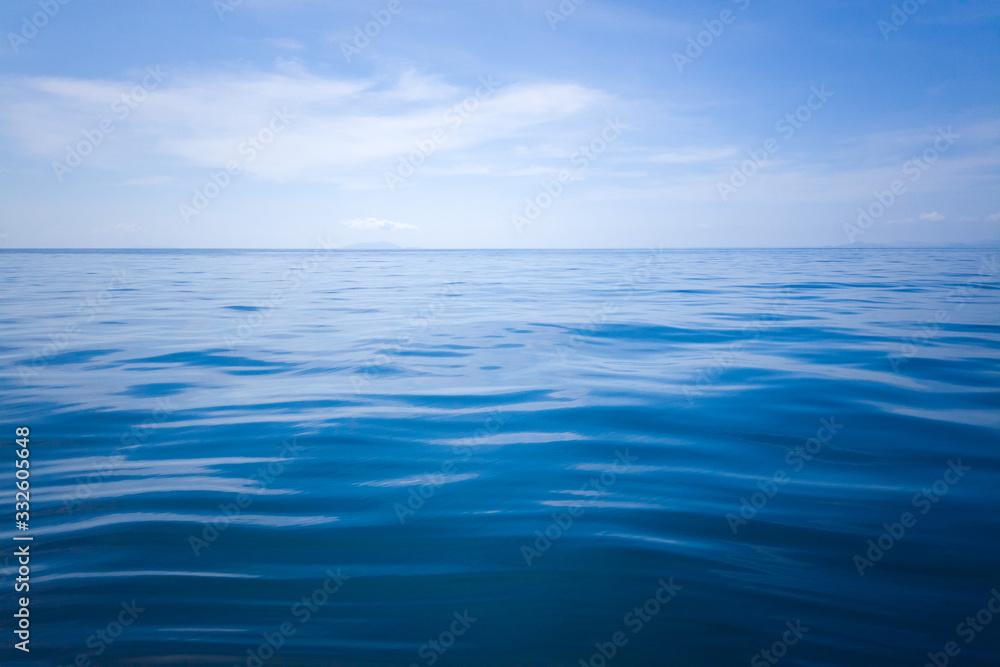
column 956, row 246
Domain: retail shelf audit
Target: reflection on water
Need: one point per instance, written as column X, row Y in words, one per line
column 467, row 457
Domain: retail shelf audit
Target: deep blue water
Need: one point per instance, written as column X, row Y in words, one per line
column 519, row 448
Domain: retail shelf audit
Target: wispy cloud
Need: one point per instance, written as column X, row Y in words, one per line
column 341, row 127
column 286, row 43
column 933, row 216
column 690, row 155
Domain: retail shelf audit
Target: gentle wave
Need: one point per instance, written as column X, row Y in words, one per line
column 536, row 439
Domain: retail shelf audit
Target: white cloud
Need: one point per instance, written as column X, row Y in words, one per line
column 286, row 43
column 342, row 130
column 376, row 224
column 994, row 218
column 689, row 155
column 933, row 216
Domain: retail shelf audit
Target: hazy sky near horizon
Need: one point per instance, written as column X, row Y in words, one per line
column 516, row 123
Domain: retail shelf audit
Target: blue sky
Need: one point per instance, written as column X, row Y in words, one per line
column 513, row 124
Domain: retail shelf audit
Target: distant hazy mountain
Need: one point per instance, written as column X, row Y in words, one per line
column 377, row 245
column 974, row 245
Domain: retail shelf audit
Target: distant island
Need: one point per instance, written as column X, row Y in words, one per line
column 377, row 245
column 972, row 246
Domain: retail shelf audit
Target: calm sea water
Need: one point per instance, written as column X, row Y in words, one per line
column 505, row 458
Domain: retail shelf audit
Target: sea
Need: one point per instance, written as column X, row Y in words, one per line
column 433, row 458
